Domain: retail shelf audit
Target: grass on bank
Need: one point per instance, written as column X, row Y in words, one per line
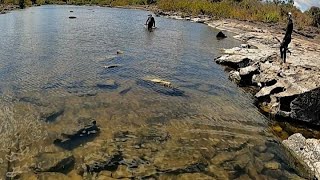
column 252, row 10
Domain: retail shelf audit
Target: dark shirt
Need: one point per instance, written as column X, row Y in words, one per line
column 289, row 30
column 151, row 21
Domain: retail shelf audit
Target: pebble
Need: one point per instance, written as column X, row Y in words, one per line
column 272, row 165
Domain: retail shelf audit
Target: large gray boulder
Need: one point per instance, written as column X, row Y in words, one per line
column 306, row 107
column 307, row 152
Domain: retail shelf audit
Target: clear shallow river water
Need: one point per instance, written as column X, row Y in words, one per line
column 54, row 80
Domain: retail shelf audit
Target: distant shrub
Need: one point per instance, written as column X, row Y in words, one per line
column 314, row 13
column 272, row 17
column 254, row 10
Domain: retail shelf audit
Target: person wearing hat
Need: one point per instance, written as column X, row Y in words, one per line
column 287, row 39
column 150, row 22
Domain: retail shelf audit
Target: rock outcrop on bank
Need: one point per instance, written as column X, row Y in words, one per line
column 290, row 90
column 306, row 151
column 7, row 8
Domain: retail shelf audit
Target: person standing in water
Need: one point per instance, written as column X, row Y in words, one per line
column 150, row 22
column 287, row 39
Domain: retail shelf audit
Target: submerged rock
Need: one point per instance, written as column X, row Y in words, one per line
column 161, row 82
column 217, row 172
column 122, row 172
column 108, row 84
column 54, row 162
column 112, row 66
column 221, row 35
column 51, row 175
column 194, row 176
column 125, row 91
column 28, row 176
column 161, row 87
column 272, row 165
column 110, row 164
column 53, row 115
column 105, row 175
column 71, row 141
column 193, row 168
column 222, row 157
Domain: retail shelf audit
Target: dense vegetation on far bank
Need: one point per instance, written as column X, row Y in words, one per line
column 270, row 11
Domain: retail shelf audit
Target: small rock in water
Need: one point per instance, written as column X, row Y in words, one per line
column 125, row 91
column 252, row 171
column 162, row 82
column 266, row 156
column 261, row 148
column 272, row 165
column 72, row 17
column 221, row 35
column 112, row 66
column 54, row 162
column 74, row 175
column 71, row 141
column 122, row 172
column 218, row 172
column 160, row 86
column 52, row 175
column 110, row 164
column 277, row 128
column 222, row 157
column 189, row 176
column 104, row 175
column 119, row 52
column 108, row 84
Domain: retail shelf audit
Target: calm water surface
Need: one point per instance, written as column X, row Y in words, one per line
column 54, row 80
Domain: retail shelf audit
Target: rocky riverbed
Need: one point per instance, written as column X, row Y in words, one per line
column 290, row 89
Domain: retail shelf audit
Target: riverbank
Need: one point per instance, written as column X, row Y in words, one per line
column 281, row 89
column 6, row 8
column 288, row 90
